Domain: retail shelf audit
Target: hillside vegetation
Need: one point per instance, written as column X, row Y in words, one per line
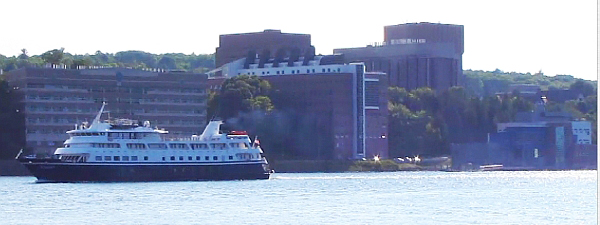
column 132, row 59
column 485, row 83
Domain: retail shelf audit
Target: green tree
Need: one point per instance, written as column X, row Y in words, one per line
column 583, row 87
column 241, row 94
column 23, row 54
column 54, row 56
column 167, row 62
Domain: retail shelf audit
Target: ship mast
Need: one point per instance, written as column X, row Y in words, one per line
column 97, row 119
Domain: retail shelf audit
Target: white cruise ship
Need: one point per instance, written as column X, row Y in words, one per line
column 123, row 150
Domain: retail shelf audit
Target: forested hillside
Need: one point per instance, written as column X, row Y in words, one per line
column 485, row 83
column 134, row 59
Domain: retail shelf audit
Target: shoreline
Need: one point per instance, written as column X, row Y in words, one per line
column 14, row 168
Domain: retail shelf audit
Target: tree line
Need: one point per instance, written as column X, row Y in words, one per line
column 486, row 83
column 133, row 59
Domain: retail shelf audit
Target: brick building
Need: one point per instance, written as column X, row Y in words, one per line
column 344, row 107
column 267, row 44
column 54, row 100
column 415, row 55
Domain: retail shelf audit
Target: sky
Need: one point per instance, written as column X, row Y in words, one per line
column 556, row 37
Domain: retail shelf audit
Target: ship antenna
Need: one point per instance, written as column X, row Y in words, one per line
column 97, row 119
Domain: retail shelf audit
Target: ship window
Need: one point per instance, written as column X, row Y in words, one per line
column 197, row 157
column 230, row 157
column 136, row 146
column 205, row 157
column 98, row 158
column 125, row 158
column 178, row 146
column 199, row 146
column 117, row 158
column 163, row 158
column 218, row 146
column 146, row 158
column 180, row 157
column 157, row 146
column 133, row 158
column 107, row 158
column 172, row 157
column 215, row 157
column 189, row 158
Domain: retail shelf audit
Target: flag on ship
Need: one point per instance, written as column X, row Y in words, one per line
column 256, row 142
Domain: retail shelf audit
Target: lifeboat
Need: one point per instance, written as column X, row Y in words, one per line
column 238, row 132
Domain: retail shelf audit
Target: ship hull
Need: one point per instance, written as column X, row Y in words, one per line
column 144, row 172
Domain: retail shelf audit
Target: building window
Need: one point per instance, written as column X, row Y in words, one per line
column 263, row 72
column 215, row 158
column 293, row 71
column 98, row 158
column 297, row 71
column 323, row 70
column 328, row 70
column 338, row 70
column 307, row 71
column 313, row 70
column 277, row 71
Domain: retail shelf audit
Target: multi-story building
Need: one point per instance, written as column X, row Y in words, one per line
column 341, row 106
column 266, row 45
column 55, row 100
column 415, row 55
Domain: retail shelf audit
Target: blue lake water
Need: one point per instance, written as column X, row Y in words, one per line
column 536, row 197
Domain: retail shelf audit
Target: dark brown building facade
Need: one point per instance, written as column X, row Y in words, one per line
column 266, row 44
column 415, row 55
column 54, row 100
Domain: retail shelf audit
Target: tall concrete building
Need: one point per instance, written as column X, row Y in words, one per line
column 415, row 55
column 54, row 100
column 267, row 44
column 341, row 108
